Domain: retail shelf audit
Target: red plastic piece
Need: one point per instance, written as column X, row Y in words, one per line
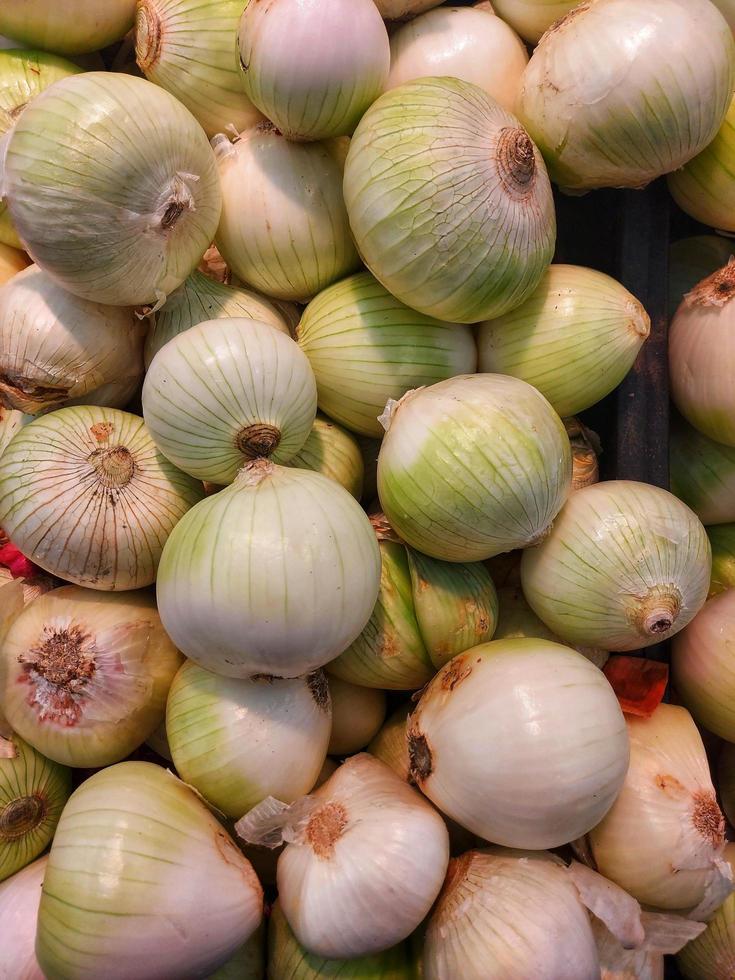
column 19, row 565
column 639, row 684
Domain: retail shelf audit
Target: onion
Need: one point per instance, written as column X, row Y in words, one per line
column 158, row 742
column 313, row 68
column 603, row 107
column 357, row 714
column 532, row 18
column 462, row 42
column 703, row 474
column 520, row 741
column 144, row 203
column 664, row 836
column 134, row 854
column 67, row 26
column 722, row 540
column 277, row 574
column 333, row 451
column 726, row 780
column 390, row 745
column 201, row 298
column 19, row 898
column 86, row 495
column 187, row 47
column 33, row 791
column 239, row 741
column 624, row 566
column 711, row 956
column 404, row 9
column 702, row 356
column 365, row 347
column 693, row 259
column 473, row 466
column 727, row 9
column 226, row 392
column 56, row 348
column 12, row 261
column 664, row 934
column 586, row 448
column 248, row 963
column 575, row 338
column 10, row 422
column 449, row 200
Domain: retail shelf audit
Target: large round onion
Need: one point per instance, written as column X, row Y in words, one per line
column 449, row 200
column 277, row 574
column 693, row 259
column 19, row 900
column 67, row 26
column 595, row 101
column 703, row 474
column 624, row 566
column 534, row 770
column 473, row 466
column 144, row 202
column 532, row 18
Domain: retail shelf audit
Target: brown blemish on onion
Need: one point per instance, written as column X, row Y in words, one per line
column 716, row 290
column 21, row 816
column 114, row 466
column 516, row 162
column 420, row 760
column 317, row 684
column 58, row 669
column 148, row 36
column 707, row 818
column 257, row 441
column 102, row 431
column 26, row 396
column 669, row 783
column 454, row 673
column 656, row 613
column 325, row 828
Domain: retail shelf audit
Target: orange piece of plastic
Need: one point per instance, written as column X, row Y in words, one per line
column 639, row 684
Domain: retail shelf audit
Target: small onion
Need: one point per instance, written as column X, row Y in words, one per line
column 144, row 202
column 134, row 856
column 12, row 261
column 575, row 338
column 463, row 42
column 473, row 467
column 187, row 47
column 404, row 9
column 547, row 783
column 33, row 791
column 722, row 540
column 711, row 956
column 693, row 259
column 313, row 68
column 333, row 451
column 586, row 449
column 238, row 741
column 67, row 26
column 56, row 348
column 449, row 200
column 19, row 899
column 624, row 566
column 226, row 392
column 10, row 422
column 276, row 574
column 357, row 714
column 595, row 101
column 703, row 474
column 85, row 494
column 726, row 780
column 532, row 18
column 390, row 745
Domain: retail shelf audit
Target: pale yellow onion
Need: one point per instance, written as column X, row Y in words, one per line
column 693, row 259
column 56, row 348
column 12, row 261
column 722, row 540
column 390, row 744
column 19, row 899
column 11, row 421
column 86, row 495
column 586, row 448
column 532, row 18
column 702, row 473
column 711, row 956
column 357, row 714
column 404, row 9
column 726, row 780
column 67, row 26
column 333, row 451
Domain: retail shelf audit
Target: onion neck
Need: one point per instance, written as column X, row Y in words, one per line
column 716, row 290
column 707, row 818
column 148, row 36
column 114, row 466
column 252, row 474
column 257, row 441
column 656, row 613
column 516, row 162
column 176, row 201
column 21, row 816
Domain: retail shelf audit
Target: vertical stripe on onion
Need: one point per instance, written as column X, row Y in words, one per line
column 333, row 451
column 586, row 448
column 357, row 714
column 145, row 200
column 722, row 540
column 473, row 467
column 702, row 474
column 693, row 259
column 19, row 899
column 711, row 956
column 390, row 745
column 532, row 18
column 449, row 200
column 68, row 26
column 86, row 495
column 624, row 566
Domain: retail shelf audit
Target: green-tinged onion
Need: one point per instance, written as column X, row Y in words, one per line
column 187, row 47
column 561, row 771
column 586, row 448
column 226, row 392
column 19, row 899
column 532, row 18
column 144, row 201
column 86, row 495
column 85, row 674
column 288, row 960
column 357, row 714
column 10, row 422
column 333, row 451
column 473, row 467
column 711, row 956
column 276, row 574
column 703, row 474
column 249, row 962
column 404, row 9
column 449, row 200
column 284, row 228
column 726, row 780
column 202, row 298
column 142, row 881
column 624, row 566
column 575, row 338
column 597, row 104
column 365, row 347
column 33, row 791
column 702, row 356
column 238, row 741
column 693, row 259
column 722, row 539
column 12, row 261
column 67, row 26
column 56, row 348
column 463, row 42
column 390, row 745
column 313, row 77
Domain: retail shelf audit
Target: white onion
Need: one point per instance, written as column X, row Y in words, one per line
column 711, row 956
column 532, row 18
column 19, row 899
column 449, row 200
column 693, row 259
column 357, row 714
column 702, row 474
column 333, row 451
column 620, row 92
column 67, row 26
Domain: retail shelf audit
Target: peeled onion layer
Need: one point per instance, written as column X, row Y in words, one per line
column 703, row 474
column 357, row 715
column 593, row 99
column 624, row 566
column 366, row 347
column 575, row 338
column 144, row 202
column 449, row 200
column 111, row 906
column 693, row 259
column 473, row 467
column 722, row 541
column 532, row 18
column 85, row 494
column 711, row 956
column 19, row 898
column 67, row 26
column 334, row 452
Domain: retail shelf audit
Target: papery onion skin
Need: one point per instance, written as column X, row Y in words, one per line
column 333, row 451
column 85, row 494
column 465, row 765
column 693, row 259
column 390, row 745
column 592, row 97
column 722, row 540
column 145, row 200
column 586, row 448
column 442, row 148
column 134, row 852
column 711, row 956
column 624, row 566
column 19, row 898
column 232, row 611
column 33, row 792
column 357, row 714
column 702, row 474
column 575, row 338
column 532, row 18
column 456, row 489
column 67, row 26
